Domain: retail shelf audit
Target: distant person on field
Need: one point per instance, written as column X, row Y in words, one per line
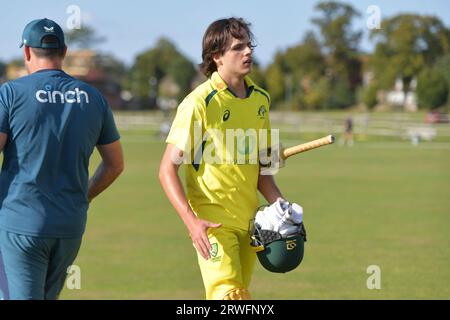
column 50, row 124
column 347, row 136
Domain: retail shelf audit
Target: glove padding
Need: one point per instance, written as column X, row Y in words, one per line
column 281, row 216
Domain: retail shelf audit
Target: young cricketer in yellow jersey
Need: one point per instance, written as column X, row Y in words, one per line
column 221, row 196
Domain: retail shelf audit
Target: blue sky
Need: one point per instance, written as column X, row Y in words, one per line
column 131, row 27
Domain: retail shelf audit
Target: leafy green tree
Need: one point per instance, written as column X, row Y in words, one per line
column 316, row 97
column 406, row 44
column 257, row 74
column 275, row 77
column 323, row 69
column 432, row 88
column 113, row 67
column 83, row 38
column 339, row 41
column 294, row 71
column 306, row 59
column 335, row 25
column 152, row 65
column 305, row 65
column 340, row 95
column 369, row 95
column 443, row 65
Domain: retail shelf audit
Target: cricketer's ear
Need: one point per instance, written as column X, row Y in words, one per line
column 65, row 52
column 217, row 59
column 3, row 137
column 26, row 53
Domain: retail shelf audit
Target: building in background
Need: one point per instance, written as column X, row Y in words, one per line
column 95, row 69
column 91, row 67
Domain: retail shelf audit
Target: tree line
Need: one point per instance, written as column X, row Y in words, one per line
column 326, row 70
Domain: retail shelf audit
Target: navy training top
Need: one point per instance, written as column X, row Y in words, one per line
column 53, row 122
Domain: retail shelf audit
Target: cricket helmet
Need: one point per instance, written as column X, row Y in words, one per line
column 278, row 253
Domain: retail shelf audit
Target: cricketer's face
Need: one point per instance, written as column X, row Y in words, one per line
column 237, row 59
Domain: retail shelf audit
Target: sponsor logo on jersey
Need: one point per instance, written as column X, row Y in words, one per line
column 214, row 249
column 262, row 112
column 226, row 115
column 54, row 96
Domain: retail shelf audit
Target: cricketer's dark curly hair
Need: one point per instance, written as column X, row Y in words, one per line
column 217, row 37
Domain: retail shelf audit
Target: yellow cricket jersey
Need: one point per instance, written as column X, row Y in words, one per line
column 222, row 135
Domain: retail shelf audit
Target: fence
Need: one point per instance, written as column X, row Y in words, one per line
column 398, row 125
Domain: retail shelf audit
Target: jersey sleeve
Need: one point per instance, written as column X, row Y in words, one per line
column 109, row 132
column 187, row 126
column 5, row 103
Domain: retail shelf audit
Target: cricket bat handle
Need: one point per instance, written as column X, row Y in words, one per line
column 307, row 146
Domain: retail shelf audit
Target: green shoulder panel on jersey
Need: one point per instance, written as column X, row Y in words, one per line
column 198, row 156
column 210, row 96
column 203, row 93
column 263, row 92
column 201, row 96
column 198, row 96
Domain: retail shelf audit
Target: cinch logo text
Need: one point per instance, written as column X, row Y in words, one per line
column 71, row 96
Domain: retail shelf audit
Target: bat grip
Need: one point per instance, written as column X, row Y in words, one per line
column 307, row 146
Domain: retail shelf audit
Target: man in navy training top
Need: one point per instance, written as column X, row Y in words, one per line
column 50, row 123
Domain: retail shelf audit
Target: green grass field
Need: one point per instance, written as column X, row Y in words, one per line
column 384, row 204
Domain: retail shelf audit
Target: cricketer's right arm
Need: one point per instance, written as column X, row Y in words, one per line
column 171, row 183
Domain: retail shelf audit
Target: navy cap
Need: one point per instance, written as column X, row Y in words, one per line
column 36, row 30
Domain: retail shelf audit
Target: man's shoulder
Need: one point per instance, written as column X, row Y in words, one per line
column 5, row 85
column 77, row 84
column 81, row 84
column 200, row 94
column 7, row 89
column 262, row 92
column 90, row 88
column 10, row 84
